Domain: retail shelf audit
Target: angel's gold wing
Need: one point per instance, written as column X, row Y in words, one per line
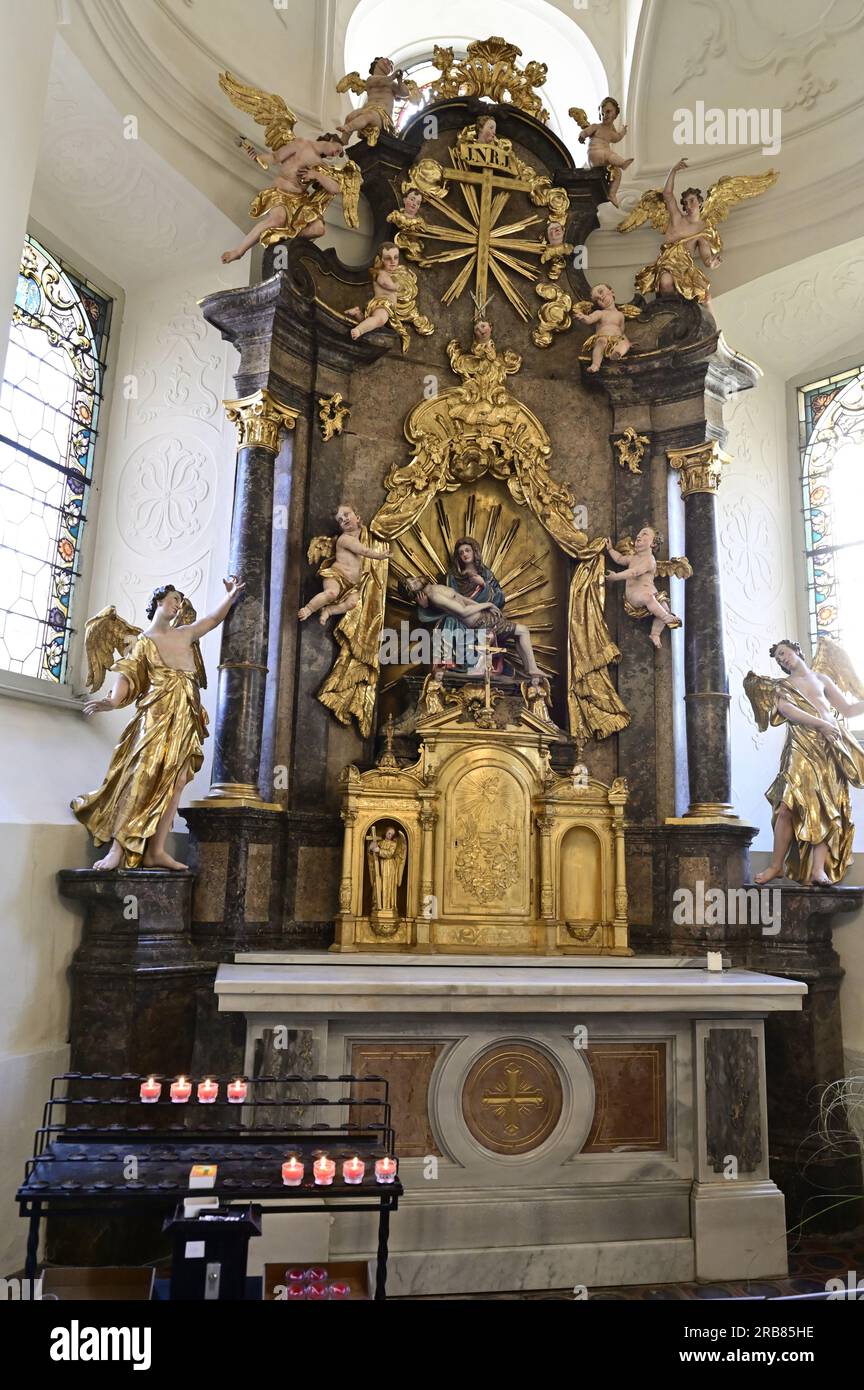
column 351, row 82
column 832, row 661
column 401, row 855
column 677, row 565
column 650, row 208
column 761, row 691
column 630, row 311
column 267, row 108
column 730, row 190
column 322, row 550
column 104, row 635
column 412, row 89
column 579, row 116
column 185, row 615
column 349, row 180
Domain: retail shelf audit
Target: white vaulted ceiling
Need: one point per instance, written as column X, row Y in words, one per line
column 159, row 60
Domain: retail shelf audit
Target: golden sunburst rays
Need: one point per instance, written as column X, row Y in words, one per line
column 522, row 570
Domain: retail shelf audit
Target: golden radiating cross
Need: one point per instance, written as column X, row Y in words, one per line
column 509, row 1098
column 486, row 245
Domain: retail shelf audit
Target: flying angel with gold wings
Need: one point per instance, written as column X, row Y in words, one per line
column 161, row 670
column 821, row 760
column 295, row 204
column 690, row 230
column 381, row 88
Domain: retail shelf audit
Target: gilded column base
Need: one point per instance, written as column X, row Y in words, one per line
column 240, row 795
column 707, row 813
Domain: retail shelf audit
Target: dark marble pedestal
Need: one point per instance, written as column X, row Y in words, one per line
column 804, row 1054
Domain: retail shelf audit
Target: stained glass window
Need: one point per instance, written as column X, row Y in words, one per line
column 424, row 74
column 49, row 413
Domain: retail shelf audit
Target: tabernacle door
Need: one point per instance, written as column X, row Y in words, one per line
column 484, row 854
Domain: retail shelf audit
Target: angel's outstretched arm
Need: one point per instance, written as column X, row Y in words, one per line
column 112, row 701
column 616, row 554
column 618, row 135
column 809, row 721
column 234, row 587
column 669, row 187
column 849, row 708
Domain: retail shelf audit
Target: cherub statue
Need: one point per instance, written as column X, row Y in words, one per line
column 383, row 85
column 386, row 868
column 641, row 599
column 811, row 814
column 601, row 137
column 689, row 229
column 409, row 223
column 162, row 748
column 556, row 250
column 394, row 299
column 295, row 203
column 609, row 338
column 342, row 556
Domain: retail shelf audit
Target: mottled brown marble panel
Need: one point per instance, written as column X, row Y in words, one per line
column 733, row 1121
column 630, row 1104
column 407, row 1066
column 318, row 868
column 208, row 901
column 692, row 870
column 256, row 907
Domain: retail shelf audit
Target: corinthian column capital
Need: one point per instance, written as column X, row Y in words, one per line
column 259, row 418
column 699, row 467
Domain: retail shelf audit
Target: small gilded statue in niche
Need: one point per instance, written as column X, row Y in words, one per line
column 295, row 204
column 809, row 797
column 689, row 230
column 609, row 338
column 641, row 599
column 387, row 858
column 394, row 299
column 556, row 250
column 410, row 225
column 341, row 570
column 159, row 752
column 601, row 137
column 381, row 88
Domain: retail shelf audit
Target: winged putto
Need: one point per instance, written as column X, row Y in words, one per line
column 641, row 598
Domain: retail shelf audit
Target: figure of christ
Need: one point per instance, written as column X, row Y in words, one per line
column 342, row 577
column 601, row 137
column 810, row 795
column 474, row 615
column 288, row 200
column 609, row 338
column 161, row 749
column 385, row 291
column 638, row 580
column 386, row 867
column 383, row 85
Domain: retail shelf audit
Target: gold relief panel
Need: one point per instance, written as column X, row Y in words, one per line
column 512, row 1098
column 485, row 838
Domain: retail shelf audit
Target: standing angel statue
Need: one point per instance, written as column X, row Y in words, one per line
column 295, row 203
column 386, row 867
column 809, row 797
column 641, row 598
column 381, row 88
column 690, row 228
column 161, row 749
column 394, row 299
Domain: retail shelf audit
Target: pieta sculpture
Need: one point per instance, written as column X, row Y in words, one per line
column 690, row 230
column 305, row 185
column 809, row 797
column 161, row 749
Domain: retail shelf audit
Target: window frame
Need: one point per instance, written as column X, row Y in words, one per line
column 71, row 692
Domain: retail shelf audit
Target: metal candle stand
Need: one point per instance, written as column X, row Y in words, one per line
column 79, row 1160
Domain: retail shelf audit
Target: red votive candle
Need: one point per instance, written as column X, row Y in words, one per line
column 316, row 1291
column 181, row 1090
column 315, row 1275
column 324, row 1170
column 151, row 1090
column 296, row 1291
column 340, row 1290
column 236, row 1091
column 207, row 1091
column 353, row 1170
column 385, row 1169
column 292, row 1172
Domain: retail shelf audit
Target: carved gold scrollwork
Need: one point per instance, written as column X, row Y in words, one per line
column 259, row 419
column 489, row 70
column 630, row 449
column 699, row 467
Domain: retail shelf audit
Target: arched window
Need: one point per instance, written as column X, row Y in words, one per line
column 831, row 438
column 49, row 411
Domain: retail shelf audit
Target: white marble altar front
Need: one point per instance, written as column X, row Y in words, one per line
column 588, row 1205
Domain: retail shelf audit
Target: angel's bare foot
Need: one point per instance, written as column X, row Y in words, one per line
column 593, row 368
column 304, row 613
column 355, row 314
column 625, row 163
column 613, row 200
column 324, row 615
column 234, row 255
column 158, row 859
column 821, row 881
column 112, row 860
column 773, row 871
column 655, row 638
column 355, row 334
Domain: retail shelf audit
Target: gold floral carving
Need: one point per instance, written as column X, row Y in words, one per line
column 553, row 316
column 630, row 448
column 332, row 414
column 259, row 419
column 699, row 467
column 489, row 70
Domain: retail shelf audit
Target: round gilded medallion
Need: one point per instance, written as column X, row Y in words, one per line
column 512, row 1098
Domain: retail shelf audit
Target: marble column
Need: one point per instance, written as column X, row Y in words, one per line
column 243, row 660
column 706, row 696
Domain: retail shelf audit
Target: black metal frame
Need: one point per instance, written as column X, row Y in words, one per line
column 78, row 1165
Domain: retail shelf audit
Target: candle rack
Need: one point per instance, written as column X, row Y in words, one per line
column 100, row 1144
